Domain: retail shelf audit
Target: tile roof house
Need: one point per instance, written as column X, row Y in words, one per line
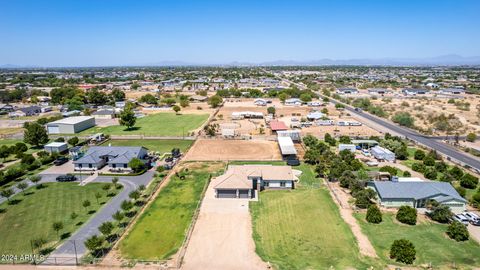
column 243, row 181
column 117, row 157
column 416, row 194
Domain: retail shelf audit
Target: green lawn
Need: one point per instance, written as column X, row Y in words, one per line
column 161, row 229
column 160, row 124
column 303, row 229
column 33, row 214
column 431, row 243
column 161, row 146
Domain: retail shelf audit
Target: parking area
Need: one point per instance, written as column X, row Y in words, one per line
column 222, row 237
column 62, row 169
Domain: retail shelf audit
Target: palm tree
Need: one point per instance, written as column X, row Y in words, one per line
column 106, row 228
column 118, row 216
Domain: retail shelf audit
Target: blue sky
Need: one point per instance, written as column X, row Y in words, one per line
column 108, row 32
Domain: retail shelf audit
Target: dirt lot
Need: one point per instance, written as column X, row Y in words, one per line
column 219, row 150
column 222, row 237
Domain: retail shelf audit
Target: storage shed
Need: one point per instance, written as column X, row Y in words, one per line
column 56, row 147
column 286, row 146
column 70, row 125
column 381, row 153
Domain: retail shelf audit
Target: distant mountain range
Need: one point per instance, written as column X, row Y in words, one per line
column 444, row 60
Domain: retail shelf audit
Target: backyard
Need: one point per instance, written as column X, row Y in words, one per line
column 160, row 124
column 32, row 213
column 431, row 243
column 161, row 146
column 161, row 229
column 303, row 229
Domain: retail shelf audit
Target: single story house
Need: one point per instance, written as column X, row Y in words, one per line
column 246, row 114
column 347, row 90
column 365, row 144
column 26, row 111
column 378, row 91
column 56, row 147
column 260, row 102
column 244, row 181
column 315, row 116
column 314, row 103
column 293, row 102
column 117, row 157
column 452, row 91
column 416, row 194
column 70, row 125
column 104, row 114
column 414, row 92
column 381, row 153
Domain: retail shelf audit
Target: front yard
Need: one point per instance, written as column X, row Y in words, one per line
column 303, row 229
column 33, row 212
column 431, row 242
column 160, row 124
column 161, row 229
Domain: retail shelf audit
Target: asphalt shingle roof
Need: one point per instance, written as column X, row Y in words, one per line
column 440, row 191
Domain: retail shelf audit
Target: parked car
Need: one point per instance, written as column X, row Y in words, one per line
column 293, row 162
column 475, row 223
column 66, row 178
column 471, row 216
column 60, row 161
column 366, row 153
column 461, row 218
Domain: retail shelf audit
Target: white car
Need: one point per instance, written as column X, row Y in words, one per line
column 366, row 153
column 471, row 216
column 461, row 218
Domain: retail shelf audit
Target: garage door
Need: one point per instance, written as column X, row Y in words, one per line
column 243, row 194
column 53, row 130
column 227, row 193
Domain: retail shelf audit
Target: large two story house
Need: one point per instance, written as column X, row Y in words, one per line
column 116, row 157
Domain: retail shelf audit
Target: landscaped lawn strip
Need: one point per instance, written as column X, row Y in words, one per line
column 36, row 210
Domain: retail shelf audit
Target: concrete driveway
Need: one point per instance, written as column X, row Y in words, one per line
column 65, row 253
column 222, row 237
column 62, row 169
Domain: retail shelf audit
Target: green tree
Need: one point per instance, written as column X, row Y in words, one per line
column 118, row 216
column 94, row 243
column 98, row 195
column 75, row 104
column 184, row 103
column 126, row 205
column 73, row 215
column 305, row 97
column 403, row 251
column 271, row 110
column 176, row 109
column 136, row 165
column 86, row 204
column 476, row 199
column 215, row 101
column 469, row 181
column 106, row 228
column 373, row 214
column 97, row 97
column 7, row 193
column 115, row 181
column 117, row 95
column 35, row 179
column 283, row 97
column 456, row 172
column 57, row 226
column 73, row 141
column 149, row 99
column 407, row 215
column 406, row 174
column 457, row 231
column 35, row 134
column 127, row 117
column 22, row 186
column 441, row 214
column 471, row 137
column 403, row 119
column 419, row 154
column 4, row 152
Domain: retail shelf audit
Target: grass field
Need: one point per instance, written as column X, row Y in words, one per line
column 161, row 229
column 161, row 146
column 160, row 124
column 303, row 229
column 431, row 243
column 33, row 214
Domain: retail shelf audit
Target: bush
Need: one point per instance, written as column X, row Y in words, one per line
column 406, row 174
column 418, row 167
column 391, row 170
column 476, row 199
column 457, row 231
column 469, row 181
column 419, row 154
column 429, row 161
column 441, row 214
column 456, row 172
column 373, row 214
column 403, row 251
column 407, row 215
column 461, row 190
column 136, row 165
column 440, row 166
column 160, row 169
column 430, row 173
column 403, row 119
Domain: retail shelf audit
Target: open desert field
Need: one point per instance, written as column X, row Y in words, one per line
column 205, row 149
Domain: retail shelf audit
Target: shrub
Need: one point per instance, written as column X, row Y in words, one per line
column 429, row 161
column 373, row 214
column 391, row 170
column 441, row 214
column 456, row 172
column 430, row 173
column 407, row 215
column 403, row 119
column 403, row 251
column 440, row 166
column 419, row 154
column 461, row 190
column 471, row 137
column 457, row 231
column 160, row 169
column 476, row 199
column 418, row 167
column 469, row 181
column 136, row 164
column 406, row 174
column 363, row 198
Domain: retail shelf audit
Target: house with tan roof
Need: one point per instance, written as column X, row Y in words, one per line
column 245, row 181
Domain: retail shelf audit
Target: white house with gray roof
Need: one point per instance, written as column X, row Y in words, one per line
column 393, row 194
column 117, row 157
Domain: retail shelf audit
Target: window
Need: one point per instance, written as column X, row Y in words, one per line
column 124, row 165
column 114, row 165
column 282, row 184
column 80, row 165
column 90, row 165
column 265, row 183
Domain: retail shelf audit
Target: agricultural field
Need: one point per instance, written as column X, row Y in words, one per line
column 161, row 146
column 303, row 229
column 160, row 124
column 32, row 213
column 161, row 229
column 431, row 243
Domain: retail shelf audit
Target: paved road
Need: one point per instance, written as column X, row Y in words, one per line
column 431, row 142
column 65, row 253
